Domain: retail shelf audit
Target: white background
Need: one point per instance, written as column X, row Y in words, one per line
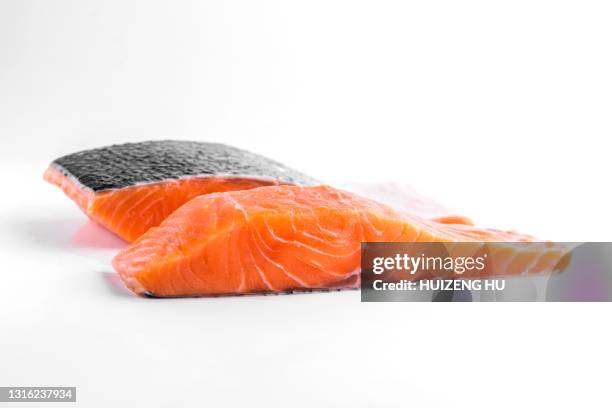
column 501, row 110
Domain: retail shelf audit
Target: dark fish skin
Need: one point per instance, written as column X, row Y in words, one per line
column 124, row 165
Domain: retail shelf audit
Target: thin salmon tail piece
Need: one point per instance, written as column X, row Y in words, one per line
column 282, row 238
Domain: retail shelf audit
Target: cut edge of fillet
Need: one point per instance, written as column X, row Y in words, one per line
column 77, row 192
column 92, row 202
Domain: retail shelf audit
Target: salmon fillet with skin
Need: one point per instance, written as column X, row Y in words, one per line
column 276, row 239
column 132, row 187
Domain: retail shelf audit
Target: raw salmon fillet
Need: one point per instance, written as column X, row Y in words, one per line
column 280, row 238
column 132, row 187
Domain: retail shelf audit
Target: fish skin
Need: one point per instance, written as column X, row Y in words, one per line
column 277, row 239
column 131, row 187
column 130, row 164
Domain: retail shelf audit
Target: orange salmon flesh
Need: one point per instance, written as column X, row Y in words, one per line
column 129, row 212
column 282, row 238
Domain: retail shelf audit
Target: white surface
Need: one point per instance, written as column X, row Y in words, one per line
column 499, row 110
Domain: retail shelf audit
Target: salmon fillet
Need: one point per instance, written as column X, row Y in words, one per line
column 280, row 238
column 132, row 187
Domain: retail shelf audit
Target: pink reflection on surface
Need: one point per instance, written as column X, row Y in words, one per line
column 92, row 235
